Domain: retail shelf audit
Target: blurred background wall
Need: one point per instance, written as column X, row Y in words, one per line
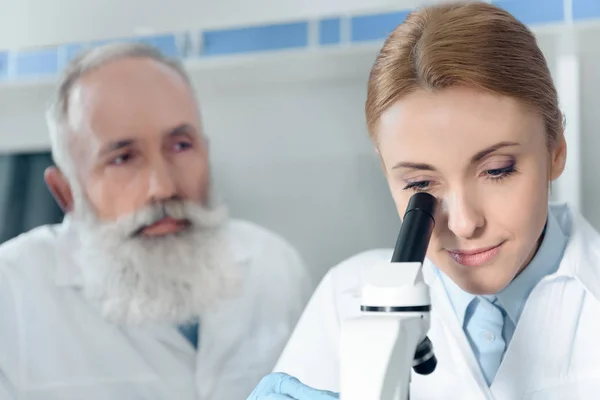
column 282, row 86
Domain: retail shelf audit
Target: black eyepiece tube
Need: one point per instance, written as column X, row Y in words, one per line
column 416, row 229
column 411, row 246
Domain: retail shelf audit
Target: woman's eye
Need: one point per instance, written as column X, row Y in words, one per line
column 499, row 173
column 418, row 186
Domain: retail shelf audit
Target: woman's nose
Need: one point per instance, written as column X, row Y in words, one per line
column 464, row 218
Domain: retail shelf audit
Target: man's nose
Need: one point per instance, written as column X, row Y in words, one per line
column 162, row 185
column 464, row 217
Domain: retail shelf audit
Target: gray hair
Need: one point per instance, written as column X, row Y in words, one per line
column 57, row 114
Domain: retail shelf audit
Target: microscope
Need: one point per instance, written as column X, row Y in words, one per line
column 379, row 348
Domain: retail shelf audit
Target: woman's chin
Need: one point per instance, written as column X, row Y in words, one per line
column 482, row 281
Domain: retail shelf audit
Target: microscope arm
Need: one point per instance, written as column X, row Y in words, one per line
column 378, row 347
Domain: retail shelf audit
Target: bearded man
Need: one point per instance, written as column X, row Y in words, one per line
column 147, row 290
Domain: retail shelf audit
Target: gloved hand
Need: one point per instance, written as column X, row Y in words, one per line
column 279, row 386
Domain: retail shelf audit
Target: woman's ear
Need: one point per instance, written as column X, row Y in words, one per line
column 558, row 158
column 60, row 188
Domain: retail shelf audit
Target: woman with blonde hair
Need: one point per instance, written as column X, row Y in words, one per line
column 461, row 105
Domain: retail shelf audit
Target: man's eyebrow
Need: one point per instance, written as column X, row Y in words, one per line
column 117, row 145
column 182, row 130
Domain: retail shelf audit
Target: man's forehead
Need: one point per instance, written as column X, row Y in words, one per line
column 78, row 103
column 132, row 69
column 127, row 92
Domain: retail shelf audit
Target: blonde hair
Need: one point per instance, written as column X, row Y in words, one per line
column 477, row 45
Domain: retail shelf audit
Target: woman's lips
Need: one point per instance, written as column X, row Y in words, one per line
column 475, row 258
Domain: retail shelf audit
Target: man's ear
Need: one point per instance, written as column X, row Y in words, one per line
column 558, row 158
column 59, row 187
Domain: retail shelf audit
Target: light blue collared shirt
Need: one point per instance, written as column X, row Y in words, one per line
column 511, row 300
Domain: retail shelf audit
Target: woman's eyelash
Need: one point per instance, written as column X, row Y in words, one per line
column 500, row 173
column 418, row 186
column 495, row 175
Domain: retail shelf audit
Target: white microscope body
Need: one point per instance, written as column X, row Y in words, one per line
column 381, row 346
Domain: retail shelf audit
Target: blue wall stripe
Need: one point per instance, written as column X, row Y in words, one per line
column 270, row 37
column 585, row 9
column 72, row 50
column 375, row 27
column 534, row 11
column 3, row 65
column 283, row 36
column 36, row 62
column 186, row 45
column 167, row 44
column 329, row 31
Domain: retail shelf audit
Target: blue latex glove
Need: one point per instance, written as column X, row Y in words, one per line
column 279, row 386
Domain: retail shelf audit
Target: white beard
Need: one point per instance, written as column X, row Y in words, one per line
column 135, row 279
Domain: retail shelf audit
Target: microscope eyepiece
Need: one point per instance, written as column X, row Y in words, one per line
column 411, row 246
column 415, row 231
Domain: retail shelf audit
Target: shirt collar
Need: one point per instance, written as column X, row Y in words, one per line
column 513, row 297
column 459, row 298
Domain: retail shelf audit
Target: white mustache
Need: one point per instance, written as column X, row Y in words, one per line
column 158, row 211
column 195, row 215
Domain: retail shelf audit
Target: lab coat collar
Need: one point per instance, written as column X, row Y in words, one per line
column 68, row 272
column 545, row 262
column 68, row 266
column 581, row 259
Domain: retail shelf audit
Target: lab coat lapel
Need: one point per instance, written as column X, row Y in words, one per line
column 522, row 350
column 582, row 256
column 542, row 340
column 547, row 328
column 455, row 354
column 222, row 329
column 221, row 332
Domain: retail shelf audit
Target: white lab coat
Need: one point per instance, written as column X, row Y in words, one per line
column 554, row 353
column 55, row 346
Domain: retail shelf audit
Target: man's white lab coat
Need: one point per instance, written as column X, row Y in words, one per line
column 554, row 353
column 55, row 346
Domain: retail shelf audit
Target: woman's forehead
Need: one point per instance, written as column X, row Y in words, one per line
column 456, row 122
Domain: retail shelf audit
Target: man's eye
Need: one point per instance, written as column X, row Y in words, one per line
column 121, row 159
column 181, row 146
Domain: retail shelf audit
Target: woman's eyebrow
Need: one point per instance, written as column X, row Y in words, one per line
column 481, row 154
column 411, row 165
column 476, row 158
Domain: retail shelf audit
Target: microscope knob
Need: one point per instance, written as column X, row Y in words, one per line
column 425, row 361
